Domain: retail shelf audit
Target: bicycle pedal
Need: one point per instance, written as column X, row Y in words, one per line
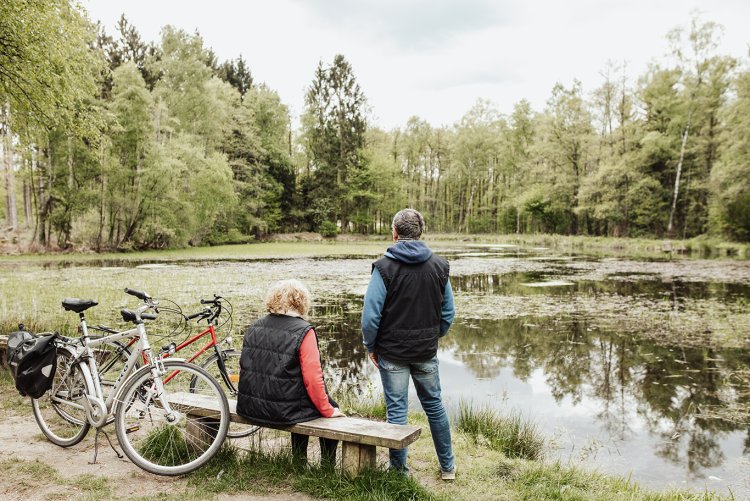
column 132, row 429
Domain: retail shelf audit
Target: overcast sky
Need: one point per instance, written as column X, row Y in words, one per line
column 435, row 58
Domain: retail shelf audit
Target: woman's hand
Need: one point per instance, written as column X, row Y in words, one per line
column 337, row 413
column 374, row 359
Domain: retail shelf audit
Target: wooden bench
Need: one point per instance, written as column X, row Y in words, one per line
column 3, row 350
column 359, row 437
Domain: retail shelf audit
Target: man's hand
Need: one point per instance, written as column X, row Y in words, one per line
column 337, row 413
column 374, row 359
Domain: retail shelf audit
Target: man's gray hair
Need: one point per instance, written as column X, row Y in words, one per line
column 408, row 224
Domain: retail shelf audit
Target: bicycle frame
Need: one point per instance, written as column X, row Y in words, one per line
column 212, row 343
column 85, row 359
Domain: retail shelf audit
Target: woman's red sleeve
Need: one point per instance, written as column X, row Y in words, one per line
column 312, row 374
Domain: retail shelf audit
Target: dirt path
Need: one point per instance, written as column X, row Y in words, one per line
column 21, row 441
column 35, row 469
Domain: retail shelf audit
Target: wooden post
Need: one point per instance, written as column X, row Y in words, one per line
column 200, row 431
column 356, row 457
column 3, row 351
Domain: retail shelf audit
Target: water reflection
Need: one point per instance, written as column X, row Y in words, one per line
column 337, row 322
column 673, row 406
column 617, row 283
column 669, row 386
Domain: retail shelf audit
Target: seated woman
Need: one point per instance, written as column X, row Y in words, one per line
column 281, row 380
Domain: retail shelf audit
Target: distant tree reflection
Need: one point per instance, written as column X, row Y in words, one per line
column 670, row 388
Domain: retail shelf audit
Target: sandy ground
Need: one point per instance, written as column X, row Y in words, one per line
column 20, row 439
column 22, row 443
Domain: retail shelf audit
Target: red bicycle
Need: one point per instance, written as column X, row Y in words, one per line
column 223, row 364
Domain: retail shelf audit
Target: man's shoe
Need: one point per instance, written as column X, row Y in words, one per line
column 448, row 476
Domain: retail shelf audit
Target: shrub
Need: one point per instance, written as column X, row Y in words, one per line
column 328, row 229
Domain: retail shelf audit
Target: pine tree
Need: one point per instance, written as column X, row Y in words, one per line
column 335, row 126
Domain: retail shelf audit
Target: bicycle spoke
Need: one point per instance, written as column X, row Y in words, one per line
column 175, row 442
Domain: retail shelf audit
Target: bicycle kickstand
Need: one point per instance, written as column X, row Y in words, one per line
column 96, row 445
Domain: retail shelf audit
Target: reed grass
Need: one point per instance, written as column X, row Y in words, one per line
column 510, row 434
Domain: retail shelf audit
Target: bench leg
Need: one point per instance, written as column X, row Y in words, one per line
column 356, row 457
column 200, row 431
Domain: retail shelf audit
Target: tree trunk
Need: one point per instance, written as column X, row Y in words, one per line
column 45, row 198
column 518, row 221
column 101, row 201
column 679, row 172
column 27, row 212
column 34, row 197
column 67, row 227
column 11, row 207
column 468, row 212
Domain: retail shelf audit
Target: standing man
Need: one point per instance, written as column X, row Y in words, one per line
column 408, row 307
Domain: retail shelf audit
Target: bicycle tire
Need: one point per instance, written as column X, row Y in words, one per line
column 229, row 382
column 60, row 413
column 150, row 439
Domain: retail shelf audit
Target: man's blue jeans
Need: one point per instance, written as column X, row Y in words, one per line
column 395, row 378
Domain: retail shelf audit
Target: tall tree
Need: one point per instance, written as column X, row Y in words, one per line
column 132, row 110
column 335, row 125
column 47, row 73
column 730, row 178
column 694, row 64
column 565, row 155
column 237, row 74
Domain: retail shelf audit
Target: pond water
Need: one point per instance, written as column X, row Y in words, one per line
column 665, row 414
column 638, row 368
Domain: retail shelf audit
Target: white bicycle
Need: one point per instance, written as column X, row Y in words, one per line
column 150, row 406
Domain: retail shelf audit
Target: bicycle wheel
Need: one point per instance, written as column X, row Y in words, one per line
column 60, row 413
column 177, row 442
column 229, row 379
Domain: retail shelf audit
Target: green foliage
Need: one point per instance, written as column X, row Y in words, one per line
column 328, row 229
column 334, row 134
column 730, row 207
column 47, row 70
column 237, row 74
column 122, row 144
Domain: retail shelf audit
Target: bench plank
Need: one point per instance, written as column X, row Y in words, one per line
column 346, row 429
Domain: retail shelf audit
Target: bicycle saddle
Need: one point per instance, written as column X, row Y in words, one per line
column 78, row 305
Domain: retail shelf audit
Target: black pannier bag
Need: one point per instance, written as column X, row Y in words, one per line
column 32, row 361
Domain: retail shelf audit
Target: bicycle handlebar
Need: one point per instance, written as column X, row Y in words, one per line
column 143, row 296
column 196, row 315
column 209, row 313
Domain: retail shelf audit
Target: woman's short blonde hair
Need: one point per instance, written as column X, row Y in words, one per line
column 288, row 296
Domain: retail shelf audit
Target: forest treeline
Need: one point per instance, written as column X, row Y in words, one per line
column 112, row 142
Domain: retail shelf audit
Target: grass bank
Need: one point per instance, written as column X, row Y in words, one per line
column 259, row 251
column 283, row 246
column 698, row 247
column 484, row 470
column 512, row 435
